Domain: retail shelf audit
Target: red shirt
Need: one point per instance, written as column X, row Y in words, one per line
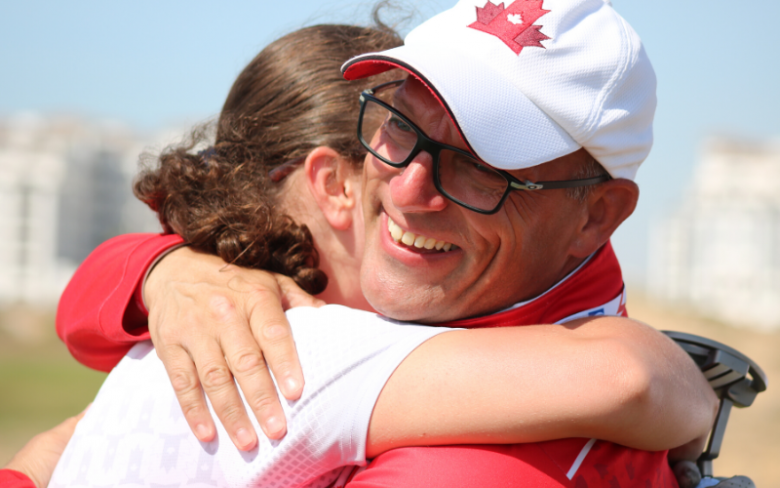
column 14, row 479
column 570, row 463
column 98, row 317
column 99, row 320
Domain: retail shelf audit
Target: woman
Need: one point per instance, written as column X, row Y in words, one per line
column 279, row 147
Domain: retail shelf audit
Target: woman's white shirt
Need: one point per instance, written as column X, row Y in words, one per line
column 135, row 433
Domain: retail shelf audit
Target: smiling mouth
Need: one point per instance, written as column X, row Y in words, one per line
column 417, row 241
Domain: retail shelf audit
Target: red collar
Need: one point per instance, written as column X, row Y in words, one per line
column 595, row 283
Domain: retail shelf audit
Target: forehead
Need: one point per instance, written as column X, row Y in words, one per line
column 413, row 95
column 416, row 101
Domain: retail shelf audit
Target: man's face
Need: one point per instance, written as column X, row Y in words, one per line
column 495, row 260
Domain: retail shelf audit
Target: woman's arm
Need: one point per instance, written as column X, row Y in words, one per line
column 609, row 378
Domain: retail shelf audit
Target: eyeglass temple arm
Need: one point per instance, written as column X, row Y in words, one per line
column 554, row 185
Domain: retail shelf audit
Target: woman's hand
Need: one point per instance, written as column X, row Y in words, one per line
column 210, row 323
column 38, row 458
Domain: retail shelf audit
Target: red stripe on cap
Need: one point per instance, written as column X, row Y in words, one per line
column 363, row 68
column 369, row 67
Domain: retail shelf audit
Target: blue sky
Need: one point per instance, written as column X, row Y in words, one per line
column 152, row 64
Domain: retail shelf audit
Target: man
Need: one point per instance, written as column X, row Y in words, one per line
column 483, row 103
column 505, row 105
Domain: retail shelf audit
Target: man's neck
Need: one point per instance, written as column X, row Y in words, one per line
column 594, row 287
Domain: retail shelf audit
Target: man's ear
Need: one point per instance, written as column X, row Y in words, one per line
column 607, row 206
column 328, row 175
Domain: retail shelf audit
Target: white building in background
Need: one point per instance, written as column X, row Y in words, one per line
column 719, row 251
column 65, row 187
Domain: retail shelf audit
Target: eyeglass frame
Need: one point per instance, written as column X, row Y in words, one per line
column 434, row 148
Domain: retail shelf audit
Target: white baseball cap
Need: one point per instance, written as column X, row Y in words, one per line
column 529, row 81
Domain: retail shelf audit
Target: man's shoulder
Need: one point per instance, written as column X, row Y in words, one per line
column 330, row 313
column 343, row 322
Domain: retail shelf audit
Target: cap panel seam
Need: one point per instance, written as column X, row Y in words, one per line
column 597, row 111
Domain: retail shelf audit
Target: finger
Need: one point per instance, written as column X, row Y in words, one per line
column 687, row 474
column 218, row 384
column 186, row 384
column 251, row 372
column 272, row 331
column 293, row 296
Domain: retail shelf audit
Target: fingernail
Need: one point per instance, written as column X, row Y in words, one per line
column 202, row 431
column 291, row 385
column 245, row 439
column 274, row 427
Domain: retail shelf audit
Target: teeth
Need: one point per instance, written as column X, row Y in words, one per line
column 418, row 241
column 395, row 232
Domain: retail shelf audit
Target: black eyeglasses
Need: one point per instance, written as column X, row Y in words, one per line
column 458, row 175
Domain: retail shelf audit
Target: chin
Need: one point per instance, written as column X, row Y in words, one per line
column 402, row 314
column 407, row 307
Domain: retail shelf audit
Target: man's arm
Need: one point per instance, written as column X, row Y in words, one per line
column 100, row 318
column 34, row 464
column 10, row 478
column 212, row 323
column 202, row 306
column 620, row 372
column 348, row 357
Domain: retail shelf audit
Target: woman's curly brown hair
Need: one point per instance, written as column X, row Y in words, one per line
column 289, row 100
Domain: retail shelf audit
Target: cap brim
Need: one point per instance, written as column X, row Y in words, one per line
column 504, row 128
column 377, row 64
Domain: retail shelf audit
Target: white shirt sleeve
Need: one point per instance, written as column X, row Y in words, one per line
column 135, row 432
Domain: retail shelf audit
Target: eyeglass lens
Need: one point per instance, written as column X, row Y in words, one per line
column 461, row 177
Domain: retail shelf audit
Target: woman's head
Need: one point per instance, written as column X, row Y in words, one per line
column 288, row 101
column 292, row 98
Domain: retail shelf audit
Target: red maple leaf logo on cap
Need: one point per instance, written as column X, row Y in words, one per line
column 513, row 25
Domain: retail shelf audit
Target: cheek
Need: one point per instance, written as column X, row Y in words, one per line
column 504, row 231
column 370, row 180
column 359, row 228
column 552, row 236
column 376, row 170
column 544, row 218
column 523, row 236
column 376, row 178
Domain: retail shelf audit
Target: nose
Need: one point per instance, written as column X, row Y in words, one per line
column 413, row 190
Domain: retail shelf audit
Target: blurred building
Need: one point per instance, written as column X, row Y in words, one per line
column 65, row 187
column 719, row 251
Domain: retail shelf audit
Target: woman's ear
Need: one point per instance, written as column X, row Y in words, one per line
column 327, row 175
column 607, row 206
